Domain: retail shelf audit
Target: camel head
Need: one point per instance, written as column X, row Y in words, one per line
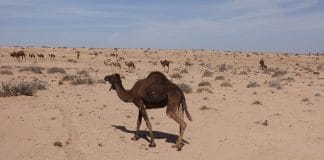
column 113, row 80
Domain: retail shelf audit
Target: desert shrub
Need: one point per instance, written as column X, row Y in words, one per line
column 6, row 67
column 72, row 60
column 222, row 67
column 320, row 67
column 275, row 72
column 56, row 70
column 204, row 83
column 252, row 85
column 200, row 90
column 34, row 69
column 185, row 88
column 226, row 84
column 275, row 84
column 82, row 77
column 257, row 102
column 184, row 71
column 21, row 88
column 68, row 77
column 207, row 73
column 6, row 72
column 82, row 80
column 219, row 78
column 176, row 75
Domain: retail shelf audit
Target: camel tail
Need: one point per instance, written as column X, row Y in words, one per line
column 185, row 108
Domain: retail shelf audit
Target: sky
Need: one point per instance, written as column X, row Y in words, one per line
column 236, row 25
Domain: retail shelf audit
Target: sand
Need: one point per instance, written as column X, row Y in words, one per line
column 280, row 116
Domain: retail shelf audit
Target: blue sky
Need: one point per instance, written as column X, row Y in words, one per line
column 246, row 25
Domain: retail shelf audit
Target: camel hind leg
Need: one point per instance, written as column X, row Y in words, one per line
column 176, row 113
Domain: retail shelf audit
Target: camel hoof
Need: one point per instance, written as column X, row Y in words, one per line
column 152, row 145
column 135, row 138
column 178, row 146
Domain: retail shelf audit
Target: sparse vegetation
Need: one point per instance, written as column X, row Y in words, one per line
column 184, row 71
column 185, row 88
column 72, row 60
column 222, row 67
column 257, row 102
column 207, row 73
column 275, row 84
column 56, row 70
column 34, row 69
column 200, row 90
column 219, row 78
column 82, row 77
column 176, row 75
column 6, row 72
column 204, row 83
column 226, row 84
column 21, row 88
column 252, row 84
column 275, row 72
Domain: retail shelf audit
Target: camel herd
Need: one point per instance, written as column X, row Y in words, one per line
column 21, row 55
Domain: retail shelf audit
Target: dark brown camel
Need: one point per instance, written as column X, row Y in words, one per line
column 18, row 54
column 165, row 63
column 155, row 91
column 263, row 66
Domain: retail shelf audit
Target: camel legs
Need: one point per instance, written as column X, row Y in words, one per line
column 143, row 113
column 149, row 126
column 177, row 115
column 139, row 121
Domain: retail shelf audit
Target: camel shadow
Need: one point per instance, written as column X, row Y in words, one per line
column 169, row 138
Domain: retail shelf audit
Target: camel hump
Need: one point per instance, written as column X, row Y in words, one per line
column 157, row 77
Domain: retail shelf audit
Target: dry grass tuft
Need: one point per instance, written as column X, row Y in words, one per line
column 207, row 73
column 204, row 83
column 34, row 69
column 21, row 88
column 176, row 75
column 56, row 70
column 252, row 85
column 6, row 72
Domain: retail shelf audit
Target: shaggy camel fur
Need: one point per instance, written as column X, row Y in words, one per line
column 263, row 66
column 155, row 91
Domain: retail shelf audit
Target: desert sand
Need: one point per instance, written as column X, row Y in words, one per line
column 239, row 111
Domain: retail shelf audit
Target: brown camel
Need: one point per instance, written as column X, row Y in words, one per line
column 51, row 55
column 263, row 66
column 130, row 65
column 18, row 54
column 31, row 55
column 155, row 91
column 165, row 63
column 41, row 56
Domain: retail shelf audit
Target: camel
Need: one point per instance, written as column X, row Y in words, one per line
column 41, row 56
column 165, row 63
column 155, row 91
column 78, row 54
column 18, row 54
column 51, row 55
column 263, row 66
column 130, row 65
column 31, row 55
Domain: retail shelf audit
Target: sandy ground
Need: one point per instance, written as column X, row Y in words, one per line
column 235, row 122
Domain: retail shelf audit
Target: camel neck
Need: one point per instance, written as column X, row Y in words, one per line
column 124, row 95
